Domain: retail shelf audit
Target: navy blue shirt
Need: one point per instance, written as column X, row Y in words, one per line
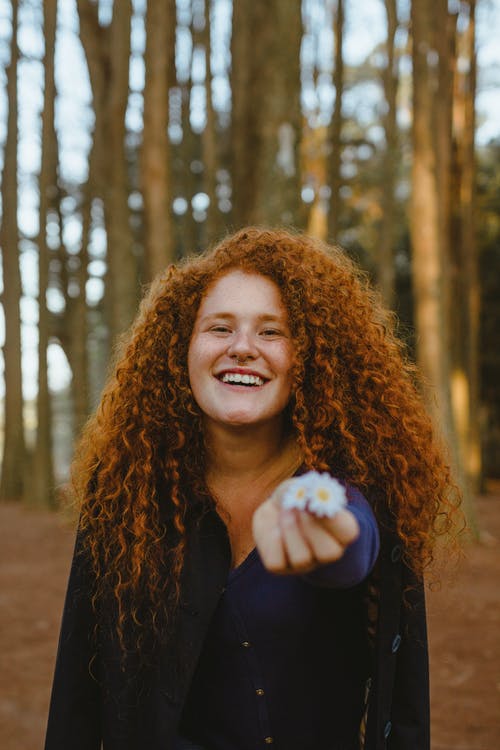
column 284, row 663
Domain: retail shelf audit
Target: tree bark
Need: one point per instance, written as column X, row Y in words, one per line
column 209, row 140
column 122, row 267
column 14, row 452
column 107, row 51
column 72, row 327
column 42, row 490
column 444, row 33
column 79, row 360
column 335, row 128
column 465, row 351
column 156, row 177
column 430, row 261
column 386, row 275
column 266, row 114
column 189, row 151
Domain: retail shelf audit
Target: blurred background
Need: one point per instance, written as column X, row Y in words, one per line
column 133, row 133
column 137, row 132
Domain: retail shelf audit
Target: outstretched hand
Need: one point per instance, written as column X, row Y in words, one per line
column 295, row 541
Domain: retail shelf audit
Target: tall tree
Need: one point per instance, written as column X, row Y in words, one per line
column 429, row 271
column 107, row 50
column 209, row 138
column 77, row 306
column 465, row 349
column 14, row 454
column 189, row 151
column 335, row 127
column 386, row 246
column 266, row 114
column 430, row 250
column 42, row 490
column 71, row 327
column 156, row 173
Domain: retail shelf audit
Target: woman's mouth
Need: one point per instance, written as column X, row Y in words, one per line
column 236, row 378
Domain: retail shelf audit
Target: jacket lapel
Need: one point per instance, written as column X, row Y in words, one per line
column 207, row 563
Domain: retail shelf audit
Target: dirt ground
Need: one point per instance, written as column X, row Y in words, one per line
column 464, row 623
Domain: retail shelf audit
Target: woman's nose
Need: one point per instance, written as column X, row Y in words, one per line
column 242, row 346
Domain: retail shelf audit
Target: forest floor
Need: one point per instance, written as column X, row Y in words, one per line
column 464, row 625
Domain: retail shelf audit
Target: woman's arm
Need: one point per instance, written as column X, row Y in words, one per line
column 359, row 557
column 74, row 715
column 337, row 552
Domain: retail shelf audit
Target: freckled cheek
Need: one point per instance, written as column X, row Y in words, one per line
column 202, row 358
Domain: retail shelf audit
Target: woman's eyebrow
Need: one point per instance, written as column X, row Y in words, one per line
column 231, row 316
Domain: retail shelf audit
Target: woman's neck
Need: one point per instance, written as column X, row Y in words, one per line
column 250, row 454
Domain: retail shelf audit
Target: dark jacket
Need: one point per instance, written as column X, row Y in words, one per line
column 86, row 711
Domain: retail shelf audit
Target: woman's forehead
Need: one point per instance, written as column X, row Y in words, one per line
column 240, row 289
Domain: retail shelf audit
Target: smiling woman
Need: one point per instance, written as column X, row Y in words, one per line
column 241, row 354
column 211, row 603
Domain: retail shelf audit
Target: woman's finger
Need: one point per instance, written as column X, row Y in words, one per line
column 343, row 526
column 297, row 550
column 325, row 547
column 267, row 536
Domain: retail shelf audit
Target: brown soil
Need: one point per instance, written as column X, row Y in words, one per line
column 464, row 622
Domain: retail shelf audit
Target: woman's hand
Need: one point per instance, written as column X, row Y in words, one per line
column 295, row 541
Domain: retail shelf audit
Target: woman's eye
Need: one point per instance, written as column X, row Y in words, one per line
column 269, row 332
column 220, row 329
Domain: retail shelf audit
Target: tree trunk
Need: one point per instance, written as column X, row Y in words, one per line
column 431, row 272
column 266, row 113
column 71, row 328
column 107, row 51
column 14, row 453
column 189, row 151
column 42, row 491
column 386, row 275
column 335, row 128
column 156, row 177
column 122, row 267
column 465, row 380
column 428, row 262
column 79, row 361
column 209, row 141
column 444, row 32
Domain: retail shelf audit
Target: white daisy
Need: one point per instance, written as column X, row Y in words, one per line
column 295, row 495
column 326, row 495
column 320, row 494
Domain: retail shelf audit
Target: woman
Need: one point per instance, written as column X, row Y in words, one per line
column 201, row 612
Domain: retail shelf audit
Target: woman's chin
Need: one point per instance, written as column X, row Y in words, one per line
column 245, row 419
column 241, row 420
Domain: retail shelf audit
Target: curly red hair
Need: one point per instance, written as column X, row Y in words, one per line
column 356, row 411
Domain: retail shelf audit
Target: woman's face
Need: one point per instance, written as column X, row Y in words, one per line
column 241, row 353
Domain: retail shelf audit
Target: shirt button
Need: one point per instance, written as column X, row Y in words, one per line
column 396, row 553
column 387, row 729
column 396, row 643
column 269, row 740
column 246, row 644
column 259, row 691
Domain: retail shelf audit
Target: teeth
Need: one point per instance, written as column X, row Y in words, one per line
column 236, row 377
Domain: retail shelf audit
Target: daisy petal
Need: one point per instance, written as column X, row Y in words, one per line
column 295, row 495
column 320, row 494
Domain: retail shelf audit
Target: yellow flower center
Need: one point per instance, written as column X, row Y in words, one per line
column 323, row 494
